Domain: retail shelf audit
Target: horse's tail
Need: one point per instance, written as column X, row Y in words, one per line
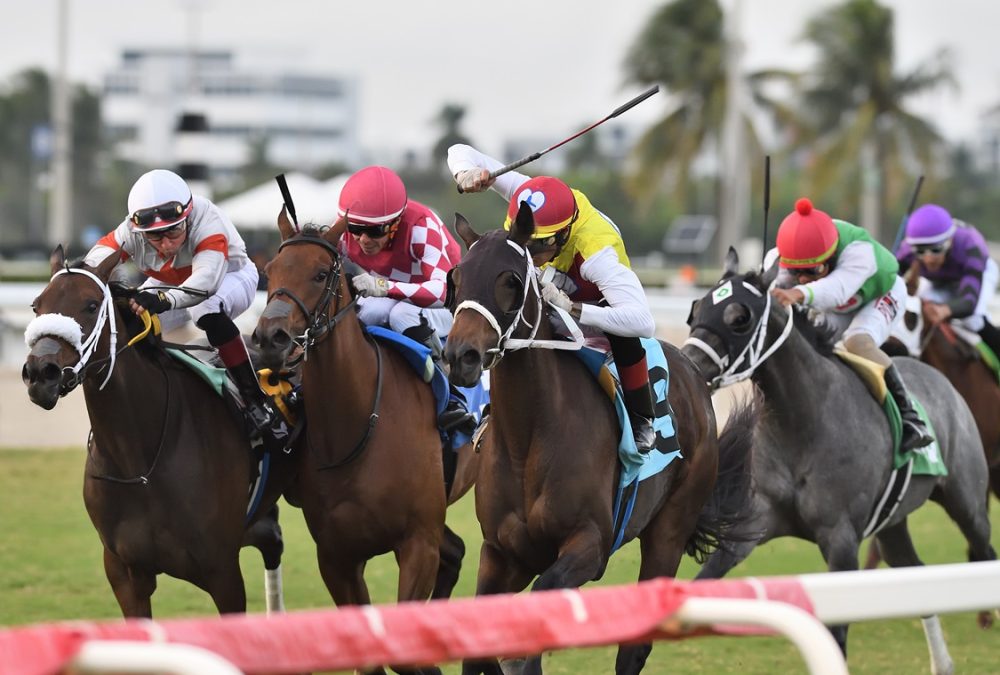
column 731, row 500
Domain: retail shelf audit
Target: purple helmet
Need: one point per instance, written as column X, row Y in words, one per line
column 930, row 224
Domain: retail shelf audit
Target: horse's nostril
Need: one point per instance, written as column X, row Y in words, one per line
column 471, row 358
column 281, row 339
column 51, row 372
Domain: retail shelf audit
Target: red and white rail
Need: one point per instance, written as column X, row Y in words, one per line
column 512, row 625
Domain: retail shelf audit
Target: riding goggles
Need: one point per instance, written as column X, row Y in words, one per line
column 932, row 249
column 811, row 272
column 373, row 231
column 559, row 238
column 160, row 215
column 171, row 233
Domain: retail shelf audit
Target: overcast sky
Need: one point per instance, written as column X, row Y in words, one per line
column 536, row 68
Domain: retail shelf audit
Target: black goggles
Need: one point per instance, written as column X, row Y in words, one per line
column 934, row 249
column 373, row 231
column 167, row 212
column 811, row 272
column 545, row 243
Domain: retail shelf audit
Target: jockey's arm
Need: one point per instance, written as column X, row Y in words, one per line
column 463, row 157
column 627, row 312
column 208, row 267
column 434, row 265
column 855, row 265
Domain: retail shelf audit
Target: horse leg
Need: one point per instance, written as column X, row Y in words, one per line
column 419, row 562
column 451, row 553
column 874, row 557
column 897, row 548
column 132, row 587
column 265, row 536
column 225, row 584
column 345, row 581
column 497, row 574
column 839, row 545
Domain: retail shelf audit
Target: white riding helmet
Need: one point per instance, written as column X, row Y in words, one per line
column 159, row 200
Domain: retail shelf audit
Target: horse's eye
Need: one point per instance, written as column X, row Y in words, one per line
column 321, row 276
column 93, row 306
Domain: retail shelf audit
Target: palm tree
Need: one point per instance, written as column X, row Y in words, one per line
column 854, row 102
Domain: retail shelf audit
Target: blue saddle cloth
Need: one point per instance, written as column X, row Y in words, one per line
column 473, row 399
column 636, row 465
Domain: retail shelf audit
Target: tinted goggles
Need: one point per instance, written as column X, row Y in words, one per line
column 373, row 231
column 811, row 272
column 167, row 212
column 930, row 249
column 171, row 233
column 536, row 246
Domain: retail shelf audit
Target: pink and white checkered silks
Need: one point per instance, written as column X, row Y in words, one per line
column 415, row 261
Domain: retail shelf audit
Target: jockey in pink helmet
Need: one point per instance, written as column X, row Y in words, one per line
column 182, row 240
column 953, row 257
column 839, row 270
column 586, row 250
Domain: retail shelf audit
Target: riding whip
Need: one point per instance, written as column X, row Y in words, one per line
column 767, row 206
column 286, row 196
column 615, row 113
column 906, row 216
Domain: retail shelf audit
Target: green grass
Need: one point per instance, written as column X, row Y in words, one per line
column 50, row 559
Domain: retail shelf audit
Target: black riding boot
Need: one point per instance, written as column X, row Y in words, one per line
column 915, row 434
column 455, row 415
column 263, row 417
column 991, row 336
column 639, row 403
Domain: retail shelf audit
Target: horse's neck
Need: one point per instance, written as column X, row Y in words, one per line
column 340, row 371
column 795, row 373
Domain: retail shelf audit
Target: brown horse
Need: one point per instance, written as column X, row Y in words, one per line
column 371, row 476
column 168, row 467
column 549, row 472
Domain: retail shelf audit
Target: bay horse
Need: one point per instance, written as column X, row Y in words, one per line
column 168, row 466
column 549, row 470
column 823, row 447
column 371, row 478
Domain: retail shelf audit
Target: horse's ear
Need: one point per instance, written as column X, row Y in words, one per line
column 731, row 265
column 334, row 233
column 285, row 224
column 57, row 259
column 524, row 225
column 465, row 231
column 103, row 270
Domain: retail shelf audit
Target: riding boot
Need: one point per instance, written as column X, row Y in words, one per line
column 991, row 336
column 455, row 415
column 639, row 403
column 425, row 334
column 264, row 419
column 915, row 433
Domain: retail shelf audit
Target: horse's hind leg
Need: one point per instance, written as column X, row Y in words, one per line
column 451, row 553
column 897, row 549
column 225, row 584
column 419, row 563
column 265, row 536
column 133, row 587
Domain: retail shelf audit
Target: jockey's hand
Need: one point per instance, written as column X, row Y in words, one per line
column 935, row 313
column 788, row 296
column 474, row 180
column 555, row 297
column 370, row 286
column 155, row 302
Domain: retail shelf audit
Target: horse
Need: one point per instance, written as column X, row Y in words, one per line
column 371, row 478
column 168, row 466
column 549, row 470
column 941, row 346
column 823, row 447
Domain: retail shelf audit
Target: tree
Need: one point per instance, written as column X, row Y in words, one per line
column 854, row 102
column 450, row 119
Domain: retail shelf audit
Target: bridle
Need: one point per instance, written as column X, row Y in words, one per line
column 505, row 341
column 318, row 321
column 756, row 350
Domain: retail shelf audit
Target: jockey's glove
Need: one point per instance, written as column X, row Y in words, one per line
column 555, row 297
column 474, row 180
column 154, row 302
column 370, row 286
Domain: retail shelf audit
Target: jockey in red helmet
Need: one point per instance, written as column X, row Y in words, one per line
column 585, row 248
column 839, row 270
column 179, row 239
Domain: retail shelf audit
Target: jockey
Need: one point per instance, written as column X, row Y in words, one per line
column 953, row 256
column 839, row 270
column 593, row 280
column 406, row 252
column 183, row 240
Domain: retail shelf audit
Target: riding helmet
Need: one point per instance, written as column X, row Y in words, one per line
column 374, row 195
column 551, row 201
column 930, row 224
column 806, row 237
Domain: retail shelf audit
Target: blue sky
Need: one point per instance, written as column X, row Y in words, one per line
column 529, row 68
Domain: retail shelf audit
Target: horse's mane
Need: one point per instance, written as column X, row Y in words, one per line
column 817, row 332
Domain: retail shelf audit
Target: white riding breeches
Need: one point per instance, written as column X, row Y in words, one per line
column 233, row 297
column 400, row 315
column 876, row 318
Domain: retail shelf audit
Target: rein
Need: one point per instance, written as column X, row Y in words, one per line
column 505, row 341
column 754, row 353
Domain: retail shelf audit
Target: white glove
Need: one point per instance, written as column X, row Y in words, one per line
column 474, row 180
column 370, row 286
column 552, row 295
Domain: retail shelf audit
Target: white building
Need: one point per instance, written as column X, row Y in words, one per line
column 306, row 121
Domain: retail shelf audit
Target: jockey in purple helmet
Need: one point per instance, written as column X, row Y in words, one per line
column 953, row 256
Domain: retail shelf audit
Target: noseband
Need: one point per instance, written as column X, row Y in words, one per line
column 318, row 321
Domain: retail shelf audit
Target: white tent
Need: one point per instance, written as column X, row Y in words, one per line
column 258, row 207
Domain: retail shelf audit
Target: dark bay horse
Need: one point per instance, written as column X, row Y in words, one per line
column 943, row 348
column 371, row 477
column 168, row 467
column 546, row 486
column 823, row 448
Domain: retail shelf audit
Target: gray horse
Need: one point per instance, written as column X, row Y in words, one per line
column 822, row 448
